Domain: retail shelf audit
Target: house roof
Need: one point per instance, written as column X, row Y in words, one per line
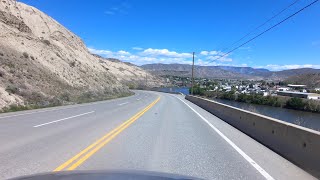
column 296, row 85
column 302, row 93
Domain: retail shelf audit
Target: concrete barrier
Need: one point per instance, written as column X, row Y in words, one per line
column 170, row 92
column 295, row 143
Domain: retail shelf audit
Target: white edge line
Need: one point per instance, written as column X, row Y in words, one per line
column 243, row 154
column 2, row 117
column 62, row 119
column 123, row 103
column 65, row 107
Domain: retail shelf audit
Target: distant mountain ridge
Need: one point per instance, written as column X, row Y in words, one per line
column 225, row 71
column 312, row 80
column 244, row 70
column 185, row 70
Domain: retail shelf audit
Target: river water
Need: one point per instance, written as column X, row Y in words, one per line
column 301, row 118
column 183, row 90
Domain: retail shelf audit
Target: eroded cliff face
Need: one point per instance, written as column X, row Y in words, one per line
column 40, row 60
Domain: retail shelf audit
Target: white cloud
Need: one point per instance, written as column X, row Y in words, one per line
column 150, row 55
column 215, row 52
column 107, row 53
column 109, row 12
column 100, row 52
column 165, row 52
column 115, row 9
column 276, row 67
column 201, row 62
column 122, row 52
column 216, row 56
column 166, row 56
column 245, row 48
column 219, row 58
column 145, row 57
column 205, row 53
column 118, row 9
column 137, row 48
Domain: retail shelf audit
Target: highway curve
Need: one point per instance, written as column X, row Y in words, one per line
column 149, row 131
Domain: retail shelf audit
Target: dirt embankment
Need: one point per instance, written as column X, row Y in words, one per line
column 43, row 63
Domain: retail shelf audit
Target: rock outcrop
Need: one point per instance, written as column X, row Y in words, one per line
column 43, row 62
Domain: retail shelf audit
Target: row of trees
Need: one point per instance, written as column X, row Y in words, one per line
column 276, row 101
column 303, row 104
column 197, row 90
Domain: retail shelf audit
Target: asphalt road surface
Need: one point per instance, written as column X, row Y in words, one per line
column 147, row 131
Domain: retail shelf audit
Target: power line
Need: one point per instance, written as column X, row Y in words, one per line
column 192, row 74
column 265, row 31
column 261, row 25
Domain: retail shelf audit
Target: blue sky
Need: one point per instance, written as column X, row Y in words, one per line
column 167, row 31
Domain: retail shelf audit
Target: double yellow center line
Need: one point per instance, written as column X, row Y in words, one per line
column 81, row 157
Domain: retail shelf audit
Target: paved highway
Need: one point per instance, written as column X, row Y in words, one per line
column 147, row 131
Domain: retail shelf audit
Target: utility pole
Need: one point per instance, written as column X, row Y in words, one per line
column 146, row 80
column 192, row 78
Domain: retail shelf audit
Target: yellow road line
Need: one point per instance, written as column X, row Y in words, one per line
column 84, row 158
column 90, row 147
column 102, row 141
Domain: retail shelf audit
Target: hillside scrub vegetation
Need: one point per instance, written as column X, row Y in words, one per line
column 310, row 79
column 44, row 64
column 36, row 100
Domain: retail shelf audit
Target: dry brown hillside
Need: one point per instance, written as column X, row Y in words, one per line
column 311, row 80
column 43, row 62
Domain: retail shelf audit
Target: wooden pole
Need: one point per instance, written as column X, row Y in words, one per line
column 192, row 78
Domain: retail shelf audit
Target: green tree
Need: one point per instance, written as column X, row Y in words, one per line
column 197, row 90
column 296, row 103
column 281, row 83
column 229, row 95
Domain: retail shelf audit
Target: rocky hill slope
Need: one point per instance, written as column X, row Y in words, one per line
column 244, row 70
column 43, row 62
column 184, row 70
column 292, row 72
column 312, row 80
column 225, row 71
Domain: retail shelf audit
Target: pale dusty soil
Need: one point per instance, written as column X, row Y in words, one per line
column 42, row 59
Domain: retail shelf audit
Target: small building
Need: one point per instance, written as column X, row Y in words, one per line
column 314, row 96
column 297, row 87
column 228, row 88
column 179, row 83
column 283, row 89
column 299, row 95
